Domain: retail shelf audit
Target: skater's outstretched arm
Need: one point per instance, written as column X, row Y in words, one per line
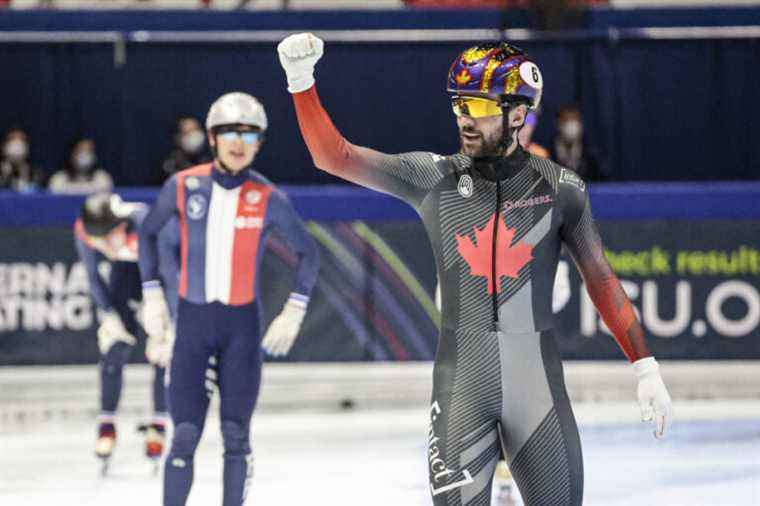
column 408, row 176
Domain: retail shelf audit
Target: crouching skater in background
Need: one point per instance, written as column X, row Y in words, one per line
column 106, row 240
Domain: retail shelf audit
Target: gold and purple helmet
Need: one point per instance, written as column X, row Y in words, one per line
column 498, row 71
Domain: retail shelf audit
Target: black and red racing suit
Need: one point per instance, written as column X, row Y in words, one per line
column 496, row 232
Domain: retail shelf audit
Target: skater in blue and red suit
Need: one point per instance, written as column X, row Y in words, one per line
column 106, row 231
column 226, row 211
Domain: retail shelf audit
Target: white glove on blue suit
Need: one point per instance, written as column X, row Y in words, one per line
column 158, row 348
column 157, row 325
column 654, row 399
column 155, row 312
column 111, row 331
column 283, row 330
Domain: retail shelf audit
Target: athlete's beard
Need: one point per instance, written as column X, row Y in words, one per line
column 491, row 146
column 485, row 146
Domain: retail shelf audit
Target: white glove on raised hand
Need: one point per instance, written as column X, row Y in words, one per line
column 155, row 313
column 283, row 330
column 654, row 399
column 298, row 55
column 158, row 349
column 111, row 331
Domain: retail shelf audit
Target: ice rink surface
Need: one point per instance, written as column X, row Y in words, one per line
column 368, row 457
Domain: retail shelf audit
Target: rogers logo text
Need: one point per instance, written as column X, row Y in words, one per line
column 438, row 468
column 533, row 201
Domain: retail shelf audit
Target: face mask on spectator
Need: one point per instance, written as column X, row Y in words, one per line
column 16, row 150
column 84, row 161
column 571, row 130
column 192, row 142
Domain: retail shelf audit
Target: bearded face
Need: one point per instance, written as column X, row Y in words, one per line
column 484, row 136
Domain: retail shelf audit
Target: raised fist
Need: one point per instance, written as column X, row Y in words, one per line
column 298, row 55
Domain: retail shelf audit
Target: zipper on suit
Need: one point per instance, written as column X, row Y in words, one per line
column 494, row 276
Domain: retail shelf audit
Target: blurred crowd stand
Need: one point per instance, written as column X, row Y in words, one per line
column 189, row 150
column 17, row 172
column 572, row 150
column 81, row 173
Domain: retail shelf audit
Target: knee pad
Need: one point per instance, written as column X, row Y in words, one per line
column 185, row 440
column 236, row 439
column 116, row 357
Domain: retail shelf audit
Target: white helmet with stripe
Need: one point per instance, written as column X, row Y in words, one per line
column 237, row 108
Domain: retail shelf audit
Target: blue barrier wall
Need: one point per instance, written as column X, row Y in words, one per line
column 688, row 256
column 610, row 201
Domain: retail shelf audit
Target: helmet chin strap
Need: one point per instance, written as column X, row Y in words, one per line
column 508, row 137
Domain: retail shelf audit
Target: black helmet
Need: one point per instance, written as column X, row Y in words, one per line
column 100, row 214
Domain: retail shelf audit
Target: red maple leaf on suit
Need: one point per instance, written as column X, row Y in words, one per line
column 510, row 258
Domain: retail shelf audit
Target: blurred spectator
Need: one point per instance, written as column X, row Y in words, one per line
column 190, row 151
column 16, row 172
column 525, row 136
column 81, row 173
column 569, row 148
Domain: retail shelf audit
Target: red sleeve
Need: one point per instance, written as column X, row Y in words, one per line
column 408, row 176
column 582, row 240
column 330, row 151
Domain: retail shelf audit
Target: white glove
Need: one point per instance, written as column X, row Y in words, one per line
column 111, row 331
column 654, row 399
column 283, row 330
column 158, row 349
column 298, row 55
column 155, row 316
